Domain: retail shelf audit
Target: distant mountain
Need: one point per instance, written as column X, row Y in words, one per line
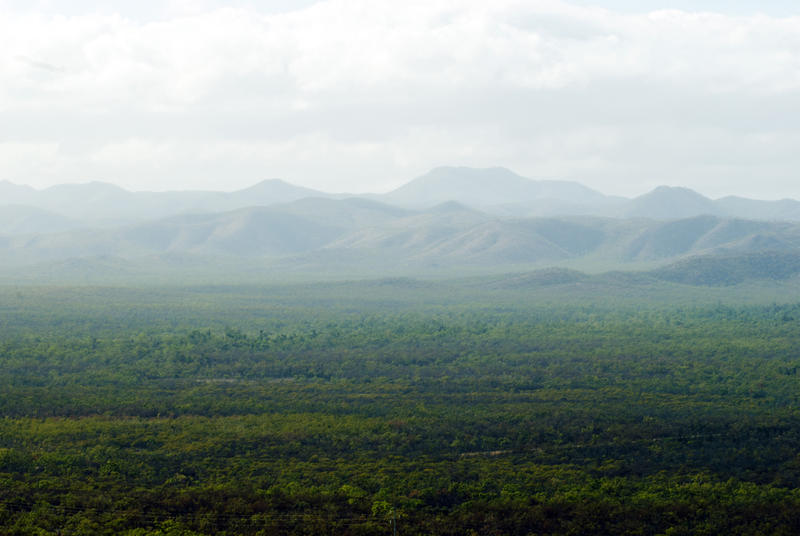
column 249, row 232
column 23, row 220
column 357, row 236
column 90, row 192
column 451, row 220
column 669, row 239
column 496, row 191
column 493, row 242
column 503, row 193
column 15, row 194
column 271, row 192
column 363, row 235
column 412, row 231
column 782, row 210
column 484, row 188
column 303, row 226
column 708, row 234
column 667, row 202
column 350, row 213
column 100, row 203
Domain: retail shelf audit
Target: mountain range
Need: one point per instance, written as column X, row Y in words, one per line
column 451, row 219
column 497, row 191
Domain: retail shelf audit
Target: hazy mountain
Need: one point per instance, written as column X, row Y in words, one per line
column 496, row 191
column 610, row 207
column 245, row 232
column 667, row 202
column 485, row 188
column 15, row 194
column 350, row 213
column 508, row 242
column 502, row 192
column 451, row 220
column 707, row 234
column 271, row 192
column 280, row 230
column 658, row 240
column 784, row 209
column 98, row 201
column 20, row 220
column 103, row 203
column 90, row 193
column 251, row 232
column 494, row 242
column 367, row 235
column 412, row 231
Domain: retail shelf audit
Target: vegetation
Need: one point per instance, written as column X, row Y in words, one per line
column 289, row 411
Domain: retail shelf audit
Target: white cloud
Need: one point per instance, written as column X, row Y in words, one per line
column 362, row 94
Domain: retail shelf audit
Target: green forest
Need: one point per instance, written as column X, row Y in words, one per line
column 421, row 408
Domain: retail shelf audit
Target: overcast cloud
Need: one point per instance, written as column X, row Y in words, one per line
column 363, row 95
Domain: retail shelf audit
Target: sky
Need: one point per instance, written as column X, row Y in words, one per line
column 365, row 95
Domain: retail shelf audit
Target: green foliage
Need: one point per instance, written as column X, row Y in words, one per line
column 152, row 415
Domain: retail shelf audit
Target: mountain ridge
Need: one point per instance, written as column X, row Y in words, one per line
column 366, row 235
column 496, row 190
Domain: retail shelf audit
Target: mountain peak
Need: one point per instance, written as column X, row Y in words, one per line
column 270, row 182
column 481, row 187
column 671, row 202
column 674, row 190
column 8, row 187
column 273, row 184
column 271, row 191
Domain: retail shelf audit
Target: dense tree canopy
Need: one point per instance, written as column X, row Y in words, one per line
column 226, row 414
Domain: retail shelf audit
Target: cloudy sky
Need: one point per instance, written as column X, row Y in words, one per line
column 363, row 95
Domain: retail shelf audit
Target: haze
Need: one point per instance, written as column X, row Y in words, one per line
column 362, row 96
column 360, row 267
